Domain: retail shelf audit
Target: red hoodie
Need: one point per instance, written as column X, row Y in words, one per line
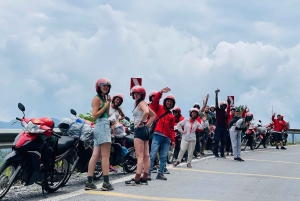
column 166, row 124
column 278, row 125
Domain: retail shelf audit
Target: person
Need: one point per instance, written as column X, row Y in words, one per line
column 221, row 126
column 141, row 135
column 118, row 132
column 235, row 134
column 102, row 135
column 206, row 129
column 212, row 113
column 278, row 128
column 163, row 134
column 178, row 117
column 115, row 107
column 189, row 135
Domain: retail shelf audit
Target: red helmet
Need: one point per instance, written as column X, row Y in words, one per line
column 249, row 116
column 153, row 93
column 117, row 96
column 170, row 97
column 138, row 89
column 223, row 103
column 101, row 82
column 47, row 122
column 176, row 108
column 194, row 110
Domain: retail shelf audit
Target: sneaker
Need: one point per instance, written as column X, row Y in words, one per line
column 112, row 168
column 132, row 182
column 107, row 187
column 277, row 147
column 144, row 182
column 283, row 148
column 203, row 154
column 239, row 159
column 149, row 177
column 227, row 154
column 161, row 177
column 166, row 171
column 90, row 186
column 154, row 169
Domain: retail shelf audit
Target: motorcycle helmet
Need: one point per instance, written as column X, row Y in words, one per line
column 176, row 108
column 169, row 97
column 101, row 82
column 138, row 89
column 153, row 93
column 194, row 110
column 196, row 105
column 249, row 116
column 117, row 96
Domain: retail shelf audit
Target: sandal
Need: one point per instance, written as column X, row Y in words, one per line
column 189, row 165
column 176, row 163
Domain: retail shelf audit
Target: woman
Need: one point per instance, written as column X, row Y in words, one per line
column 188, row 140
column 115, row 107
column 141, row 135
column 102, row 134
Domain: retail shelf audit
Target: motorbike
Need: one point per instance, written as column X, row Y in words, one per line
column 261, row 135
column 37, row 157
column 81, row 155
column 250, row 138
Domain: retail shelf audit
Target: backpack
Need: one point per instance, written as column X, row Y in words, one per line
column 233, row 120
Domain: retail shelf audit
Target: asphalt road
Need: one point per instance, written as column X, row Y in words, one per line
column 266, row 174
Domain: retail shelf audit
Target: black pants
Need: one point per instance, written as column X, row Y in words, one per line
column 220, row 135
column 228, row 144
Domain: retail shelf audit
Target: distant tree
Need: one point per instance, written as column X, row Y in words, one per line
column 87, row 116
column 241, row 108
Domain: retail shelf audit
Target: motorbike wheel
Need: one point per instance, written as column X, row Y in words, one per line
column 170, row 156
column 59, row 174
column 8, row 174
column 130, row 164
column 244, row 144
column 258, row 142
column 98, row 171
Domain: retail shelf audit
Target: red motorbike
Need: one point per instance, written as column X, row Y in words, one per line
column 36, row 157
column 249, row 139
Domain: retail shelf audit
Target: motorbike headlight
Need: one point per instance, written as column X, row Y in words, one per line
column 33, row 128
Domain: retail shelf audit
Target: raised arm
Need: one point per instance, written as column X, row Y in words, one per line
column 217, row 103
column 244, row 111
column 204, row 103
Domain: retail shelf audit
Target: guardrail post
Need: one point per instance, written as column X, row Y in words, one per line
column 293, row 140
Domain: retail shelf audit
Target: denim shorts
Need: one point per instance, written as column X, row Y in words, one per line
column 102, row 132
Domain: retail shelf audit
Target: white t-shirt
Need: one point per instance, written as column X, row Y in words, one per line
column 114, row 112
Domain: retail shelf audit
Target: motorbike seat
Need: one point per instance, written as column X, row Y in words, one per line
column 64, row 143
column 129, row 141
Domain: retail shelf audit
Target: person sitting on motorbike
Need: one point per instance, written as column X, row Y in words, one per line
column 235, row 134
column 278, row 128
column 188, row 140
column 141, row 135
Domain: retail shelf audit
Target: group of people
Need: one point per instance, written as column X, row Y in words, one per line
column 155, row 125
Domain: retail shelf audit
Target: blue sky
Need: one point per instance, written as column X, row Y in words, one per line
column 52, row 53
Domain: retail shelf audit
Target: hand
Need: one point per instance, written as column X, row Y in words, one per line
column 173, row 144
column 228, row 101
column 138, row 124
column 204, row 118
column 165, row 90
column 207, row 96
column 148, row 125
column 108, row 98
column 246, row 107
column 274, row 113
column 217, row 90
column 247, row 123
column 184, row 132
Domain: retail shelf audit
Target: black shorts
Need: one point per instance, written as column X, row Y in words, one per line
column 142, row 133
column 277, row 136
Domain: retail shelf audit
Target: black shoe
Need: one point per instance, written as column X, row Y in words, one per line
column 161, row 177
column 217, row 155
column 235, row 159
column 277, row 147
column 107, row 187
column 132, row 182
column 154, row 169
column 149, row 177
column 144, row 182
column 239, row 159
column 166, row 171
column 283, row 148
column 90, row 186
column 223, row 156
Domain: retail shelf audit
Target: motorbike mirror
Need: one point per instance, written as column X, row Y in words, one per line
column 21, row 107
column 73, row 112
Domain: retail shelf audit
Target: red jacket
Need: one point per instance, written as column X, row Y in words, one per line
column 278, row 124
column 199, row 120
column 230, row 116
column 166, row 124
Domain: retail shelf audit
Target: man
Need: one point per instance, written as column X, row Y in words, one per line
column 279, row 126
column 221, row 126
column 212, row 113
column 164, row 131
column 206, row 130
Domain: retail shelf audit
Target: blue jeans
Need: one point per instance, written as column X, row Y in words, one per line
column 164, row 144
column 220, row 134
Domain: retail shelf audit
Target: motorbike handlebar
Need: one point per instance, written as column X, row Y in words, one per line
column 17, row 118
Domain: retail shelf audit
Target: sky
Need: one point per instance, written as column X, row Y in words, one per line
column 52, row 53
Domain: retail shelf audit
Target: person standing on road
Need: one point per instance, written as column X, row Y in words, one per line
column 221, row 126
column 212, row 113
column 141, row 135
column 115, row 107
column 102, row 135
column 189, row 135
column 278, row 128
column 178, row 117
column 163, row 134
column 235, row 134
column 205, row 129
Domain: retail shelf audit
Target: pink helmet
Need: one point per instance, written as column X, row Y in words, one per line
column 138, row 89
column 101, row 82
column 249, row 116
column 153, row 93
column 223, row 103
column 177, row 109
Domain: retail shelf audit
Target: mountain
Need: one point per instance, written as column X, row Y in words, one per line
column 18, row 125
